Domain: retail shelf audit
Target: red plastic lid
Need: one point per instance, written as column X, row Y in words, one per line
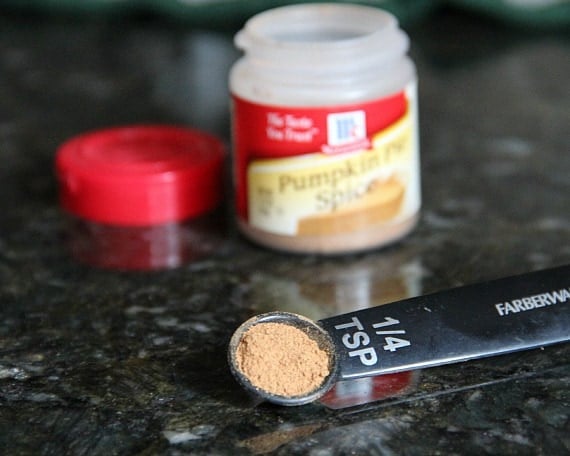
column 140, row 175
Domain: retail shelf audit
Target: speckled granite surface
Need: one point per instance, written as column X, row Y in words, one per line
column 96, row 362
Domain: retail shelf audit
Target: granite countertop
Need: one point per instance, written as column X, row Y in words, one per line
column 100, row 362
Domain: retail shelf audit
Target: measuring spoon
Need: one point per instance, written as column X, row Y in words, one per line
column 475, row 321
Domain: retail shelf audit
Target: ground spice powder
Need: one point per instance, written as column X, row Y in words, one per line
column 282, row 359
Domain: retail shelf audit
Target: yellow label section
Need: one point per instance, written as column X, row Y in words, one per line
column 319, row 194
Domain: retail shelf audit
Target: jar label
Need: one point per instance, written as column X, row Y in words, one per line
column 327, row 170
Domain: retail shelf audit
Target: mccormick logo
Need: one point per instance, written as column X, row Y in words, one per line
column 346, row 132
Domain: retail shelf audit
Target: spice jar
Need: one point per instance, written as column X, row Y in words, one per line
column 141, row 197
column 326, row 155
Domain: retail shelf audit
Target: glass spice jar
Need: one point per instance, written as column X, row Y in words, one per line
column 325, row 130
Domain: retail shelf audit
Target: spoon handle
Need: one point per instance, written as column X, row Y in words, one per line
column 473, row 321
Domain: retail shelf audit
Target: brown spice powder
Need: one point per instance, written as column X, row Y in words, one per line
column 281, row 359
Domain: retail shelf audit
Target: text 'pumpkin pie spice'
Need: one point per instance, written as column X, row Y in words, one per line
column 282, row 359
column 325, row 129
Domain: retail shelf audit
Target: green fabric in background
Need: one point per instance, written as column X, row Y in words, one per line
column 543, row 13
column 204, row 13
column 230, row 13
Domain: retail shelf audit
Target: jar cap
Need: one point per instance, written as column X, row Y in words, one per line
column 140, row 175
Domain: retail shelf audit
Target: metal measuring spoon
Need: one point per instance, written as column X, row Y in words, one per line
column 475, row 321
